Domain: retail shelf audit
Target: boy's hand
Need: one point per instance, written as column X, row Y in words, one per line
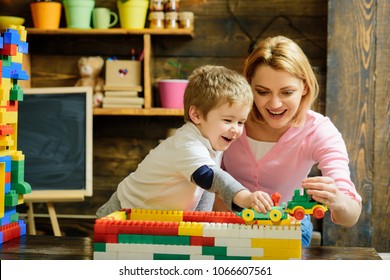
column 259, row 201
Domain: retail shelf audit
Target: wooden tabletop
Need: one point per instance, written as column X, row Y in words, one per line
column 38, row 247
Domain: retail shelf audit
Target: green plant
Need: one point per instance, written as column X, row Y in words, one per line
column 179, row 69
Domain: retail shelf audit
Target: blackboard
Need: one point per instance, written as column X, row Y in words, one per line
column 55, row 135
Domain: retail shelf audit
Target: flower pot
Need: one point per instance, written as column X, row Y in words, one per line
column 172, row 93
column 79, row 13
column 132, row 14
column 46, row 15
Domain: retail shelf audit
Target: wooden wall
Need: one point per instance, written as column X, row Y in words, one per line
column 358, row 103
column 224, row 31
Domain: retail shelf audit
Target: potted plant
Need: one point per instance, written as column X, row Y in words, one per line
column 172, row 90
column 46, row 14
column 132, row 14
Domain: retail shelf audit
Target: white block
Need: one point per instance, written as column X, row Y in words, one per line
column 233, row 242
column 105, row 255
column 134, row 256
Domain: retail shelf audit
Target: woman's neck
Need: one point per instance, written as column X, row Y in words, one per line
column 263, row 132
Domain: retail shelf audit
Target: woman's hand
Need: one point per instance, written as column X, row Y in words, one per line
column 324, row 190
column 345, row 210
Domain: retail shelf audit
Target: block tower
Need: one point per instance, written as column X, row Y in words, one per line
column 12, row 185
column 142, row 234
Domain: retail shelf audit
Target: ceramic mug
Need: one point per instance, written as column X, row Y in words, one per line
column 101, row 18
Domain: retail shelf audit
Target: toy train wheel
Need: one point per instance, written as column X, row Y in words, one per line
column 275, row 215
column 248, row 215
column 318, row 212
column 299, row 213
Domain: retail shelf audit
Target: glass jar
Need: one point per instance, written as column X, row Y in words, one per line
column 186, row 20
column 156, row 20
column 156, row 5
column 171, row 20
column 171, row 6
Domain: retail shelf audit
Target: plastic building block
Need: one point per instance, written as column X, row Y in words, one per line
column 119, row 236
column 12, row 185
column 298, row 207
column 302, row 204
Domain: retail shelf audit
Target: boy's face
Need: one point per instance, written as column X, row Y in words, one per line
column 223, row 124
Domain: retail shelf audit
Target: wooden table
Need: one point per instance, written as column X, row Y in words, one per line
column 38, row 247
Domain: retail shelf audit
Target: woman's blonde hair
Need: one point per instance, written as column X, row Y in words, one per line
column 212, row 86
column 283, row 54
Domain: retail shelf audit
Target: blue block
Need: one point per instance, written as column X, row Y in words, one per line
column 7, row 187
column 6, row 72
column 7, row 160
column 5, row 220
column 11, row 36
column 23, row 47
column 22, row 227
column 21, row 75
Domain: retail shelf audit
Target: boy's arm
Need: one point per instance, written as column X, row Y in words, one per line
column 112, row 205
column 214, row 179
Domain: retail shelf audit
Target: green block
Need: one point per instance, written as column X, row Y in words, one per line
column 172, row 240
column 11, row 199
column 170, row 257
column 238, row 258
column 99, row 247
column 6, row 60
column 16, row 93
column 21, row 187
column 135, row 239
column 14, row 217
column 214, row 250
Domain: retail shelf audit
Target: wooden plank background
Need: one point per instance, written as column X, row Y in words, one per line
column 350, row 41
column 358, row 104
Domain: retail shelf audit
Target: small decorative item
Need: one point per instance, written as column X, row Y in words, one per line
column 172, row 93
column 172, row 90
column 46, row 14
column 90, row 70
column 78, row 13
column 132, row 14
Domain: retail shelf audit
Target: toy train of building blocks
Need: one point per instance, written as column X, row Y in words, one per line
column 302, row 204
column 298, row 207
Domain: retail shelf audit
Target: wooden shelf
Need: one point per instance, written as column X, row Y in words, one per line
column 138, row 112
column 146, row 33
column 111, row 31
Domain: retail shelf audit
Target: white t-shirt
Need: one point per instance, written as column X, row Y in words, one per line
column 260, row 148
column 163, row 179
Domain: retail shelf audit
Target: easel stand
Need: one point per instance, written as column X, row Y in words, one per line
column 48, row 197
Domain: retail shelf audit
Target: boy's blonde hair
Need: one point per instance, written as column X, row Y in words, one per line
column 212, row 86
column 284, row 54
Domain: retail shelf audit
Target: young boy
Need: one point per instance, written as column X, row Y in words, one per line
column 182, row 171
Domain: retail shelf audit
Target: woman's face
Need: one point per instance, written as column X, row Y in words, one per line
column 277, row 95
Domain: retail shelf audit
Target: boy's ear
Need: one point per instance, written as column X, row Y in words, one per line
column 194, row 114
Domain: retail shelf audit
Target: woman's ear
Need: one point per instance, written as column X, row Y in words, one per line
column 305, row 90
column 194, row 114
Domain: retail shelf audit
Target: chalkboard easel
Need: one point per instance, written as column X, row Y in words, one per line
column 55, row 135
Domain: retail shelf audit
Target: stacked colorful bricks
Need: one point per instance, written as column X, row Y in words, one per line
column 140, row 234
column 12, row 185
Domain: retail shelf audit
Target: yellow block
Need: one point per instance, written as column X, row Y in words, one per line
column 190, row 229
column 117, row 215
